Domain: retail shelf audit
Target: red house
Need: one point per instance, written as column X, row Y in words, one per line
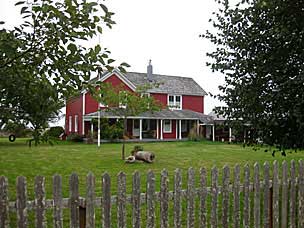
column 182, row 98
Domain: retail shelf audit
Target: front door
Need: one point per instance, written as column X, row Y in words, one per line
column 136, row 128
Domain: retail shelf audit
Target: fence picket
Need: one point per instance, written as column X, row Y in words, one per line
column 121, row 200
column 293, row 195
column 150, row 200
column 74, row 200
column 266, row 201
column 236, row 197
column 256, row 214
column 246, row 213
column 21, row 202
column 4, row 202
column 214, row 195
column 106, row 200
column 276, row 193
column 190, row 198
column 136, row 200
column 177, row 213
column 284, row 221
column 40, row 220
column 301, row 194
column 164, row 199
column 203, row 198
column 57, row 196
column 90, row 199
column 225, row 196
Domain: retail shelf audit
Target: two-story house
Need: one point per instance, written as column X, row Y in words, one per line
column 182, row 98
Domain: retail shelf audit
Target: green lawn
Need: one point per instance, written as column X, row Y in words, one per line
column 64, row 158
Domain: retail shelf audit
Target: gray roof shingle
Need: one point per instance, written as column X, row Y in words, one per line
column 166, row 84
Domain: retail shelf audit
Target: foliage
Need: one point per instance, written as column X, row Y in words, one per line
column 193, row 136
column 259, row 49
column 46, row 59
column 74, row 137
column 111, row 131
column 55, row 131
column 137, row 148
column 123, row 103
column 17, row 129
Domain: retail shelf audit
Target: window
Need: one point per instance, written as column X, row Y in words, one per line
column 167, row 126
column 175, row 101
column 70, row 123
column 76, row 123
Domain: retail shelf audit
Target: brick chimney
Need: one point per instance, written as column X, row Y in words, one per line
column 150, row 71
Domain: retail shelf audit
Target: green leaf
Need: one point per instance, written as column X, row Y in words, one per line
column 23, row 9
column 125, row 64
column 19, row 3
column 105, row 9
column 72, row 47
column 110, row 61
column 99, row 29
column 2, row 22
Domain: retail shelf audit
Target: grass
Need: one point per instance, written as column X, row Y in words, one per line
column 64, row 158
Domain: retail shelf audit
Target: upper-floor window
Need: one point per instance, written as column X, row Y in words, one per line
column 70, row 123
column 76, row 123
column 175, row 101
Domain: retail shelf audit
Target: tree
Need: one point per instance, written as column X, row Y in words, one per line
column 124, row 104
column 259, row 49
column 45, row 59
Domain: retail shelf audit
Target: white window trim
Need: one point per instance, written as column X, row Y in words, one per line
column 174, row 102
column 164, row 129
column 76, row 123
column 70, row 123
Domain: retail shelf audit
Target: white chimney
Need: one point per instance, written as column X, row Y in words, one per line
column 150, row 71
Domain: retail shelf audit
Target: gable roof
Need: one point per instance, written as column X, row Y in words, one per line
column 166, row 83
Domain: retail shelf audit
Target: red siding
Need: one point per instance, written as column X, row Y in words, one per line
column 91, row 105
column 115, row 81
column 73, row 108
column 194, row 103
column 162, row 98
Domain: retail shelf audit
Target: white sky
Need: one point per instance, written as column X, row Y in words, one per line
column 165, row 31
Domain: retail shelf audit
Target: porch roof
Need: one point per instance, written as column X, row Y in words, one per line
column 163, row 114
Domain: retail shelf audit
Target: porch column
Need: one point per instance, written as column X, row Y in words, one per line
column 157, row 129
column 176, row 127
column 161, row 129
column 92, row 128
column 180, row 129
column 197, row 127
column 140, row 129
column 213, row 132
column 98, row 132
column 230, row 135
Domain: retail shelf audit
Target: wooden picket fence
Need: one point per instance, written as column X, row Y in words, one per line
column 271, row 200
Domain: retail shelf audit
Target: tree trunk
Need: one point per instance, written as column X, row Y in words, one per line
column 145, row 156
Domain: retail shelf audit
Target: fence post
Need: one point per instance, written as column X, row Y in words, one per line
column 225, row 196
column 164, row 199
column 246, row 219
column 57, row 196
column 121, row 200
column 106, row 201
column 257, row 208
column 87, row 213
column 276, row 193
column 190, row 198
column 293, row 195
column 21, row 202
column 136, row 200
column 203, row 198
column 4, row 202
column 284, row 215
column 301, row 194
column 236, row 197
column 150, row 199
column 40, row 220
column 214, row 195
column 177, row 199
column 74, row 201
column 266, row 207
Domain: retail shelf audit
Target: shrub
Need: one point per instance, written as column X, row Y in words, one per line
column 193, row 136
column 55, row 132
column 74, row 138
column 137, row 148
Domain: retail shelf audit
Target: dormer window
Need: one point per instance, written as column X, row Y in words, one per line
column 174, row 102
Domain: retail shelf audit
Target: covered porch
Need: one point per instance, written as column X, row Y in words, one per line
column 165, row 125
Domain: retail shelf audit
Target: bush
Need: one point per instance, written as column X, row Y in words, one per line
column 74, row 138
column 192, row 136
column 55, row 132
column 111, row 131
column 136, row 149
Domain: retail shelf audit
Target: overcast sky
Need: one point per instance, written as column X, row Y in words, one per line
column 167, row 32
